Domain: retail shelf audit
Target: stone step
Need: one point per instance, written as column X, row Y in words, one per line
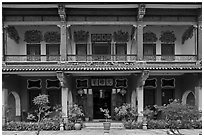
column 99, row 125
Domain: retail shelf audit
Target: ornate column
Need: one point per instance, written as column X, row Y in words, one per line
column 140, row 41
column 4, row 104
column 90, row 104
column 140, row 98
column 198, row 95
column 63, row 32
column 199, row 32
column 64, row 94
column 141, row 13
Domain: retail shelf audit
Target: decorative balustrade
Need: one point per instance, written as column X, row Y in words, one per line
column 32, row 58
column 171, row 58
column 97, row 58
column 100, row 58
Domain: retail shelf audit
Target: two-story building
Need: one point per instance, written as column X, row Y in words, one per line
column 100, row 55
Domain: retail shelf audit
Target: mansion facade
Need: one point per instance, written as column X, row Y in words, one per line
column 100, row 55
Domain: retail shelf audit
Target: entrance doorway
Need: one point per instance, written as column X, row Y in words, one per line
column 101, row 99
column 167, row 95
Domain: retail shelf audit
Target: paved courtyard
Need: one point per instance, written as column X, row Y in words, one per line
column 101, row 132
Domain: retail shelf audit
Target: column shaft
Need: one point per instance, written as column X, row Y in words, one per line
column 140, row 42
column 64, row 98
column 140, row 99
column 63, row 49
column 4, row 104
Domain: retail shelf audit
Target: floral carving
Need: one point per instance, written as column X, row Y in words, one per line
column 13, row 33
column 188, row 34
column 167, row 37
column 81, row 36
column 52, row 37
column 149, row 37
column 33, row 36
column 121, row 36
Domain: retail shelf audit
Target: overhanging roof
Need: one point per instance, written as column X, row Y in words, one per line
column 109, row 67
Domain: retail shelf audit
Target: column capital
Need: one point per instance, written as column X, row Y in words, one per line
column 62, row 78
column 62, row 12
column 142, row 78
column 141, row 11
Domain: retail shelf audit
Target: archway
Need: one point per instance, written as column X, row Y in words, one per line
column 14, row 106
column 188, row 98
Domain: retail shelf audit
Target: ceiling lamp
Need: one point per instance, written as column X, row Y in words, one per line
column 123, row 92
column 80, row 92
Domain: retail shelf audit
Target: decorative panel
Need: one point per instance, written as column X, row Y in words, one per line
column 168, row 82
column 121, row 83
column 52, row 83
column 101, row 37
column 152, row 83
column 31, row 84
column 121, row 36
column 82, row 83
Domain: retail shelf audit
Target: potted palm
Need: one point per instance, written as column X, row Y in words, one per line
column 107, row 123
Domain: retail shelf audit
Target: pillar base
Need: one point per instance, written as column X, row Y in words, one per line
column 18, row 118
column 140, row 119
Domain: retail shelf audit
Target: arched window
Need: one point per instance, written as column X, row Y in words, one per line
column 188, row 98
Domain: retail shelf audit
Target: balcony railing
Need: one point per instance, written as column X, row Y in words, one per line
column 171, row 58
column 101, row 58
column 33, row 58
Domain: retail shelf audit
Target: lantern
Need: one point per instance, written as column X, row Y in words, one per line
column 80, row 92
column 123, row 92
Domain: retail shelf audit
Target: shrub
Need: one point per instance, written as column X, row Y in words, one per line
column 132, row 124
column 75, row 114
column 179, row 116
column 157, row 124
column 126, row 112
column 31, row 126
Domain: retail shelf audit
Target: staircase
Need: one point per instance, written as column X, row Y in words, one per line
column 99, row 125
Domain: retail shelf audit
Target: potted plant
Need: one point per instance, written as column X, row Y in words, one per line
column 107, row 123
column 75, row 116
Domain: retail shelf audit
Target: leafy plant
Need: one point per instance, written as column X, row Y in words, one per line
column 126, row 112
column 175, row 114
column 42, row 111
column 106, row 113
column 75, row 113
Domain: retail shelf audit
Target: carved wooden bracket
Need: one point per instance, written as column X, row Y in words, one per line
column 141, row 11
column 142, row 78
column 62, row 78
column 61, row 12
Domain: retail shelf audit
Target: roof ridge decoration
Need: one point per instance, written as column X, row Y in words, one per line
column 167, row 36
column 13, row 33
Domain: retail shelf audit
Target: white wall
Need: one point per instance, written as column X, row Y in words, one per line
column 189, row 47
column 20, row 49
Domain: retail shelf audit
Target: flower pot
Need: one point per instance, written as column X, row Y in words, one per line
column 106, row 125
column 77, row 126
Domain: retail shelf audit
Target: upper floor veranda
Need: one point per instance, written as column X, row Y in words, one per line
column 129, row 33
